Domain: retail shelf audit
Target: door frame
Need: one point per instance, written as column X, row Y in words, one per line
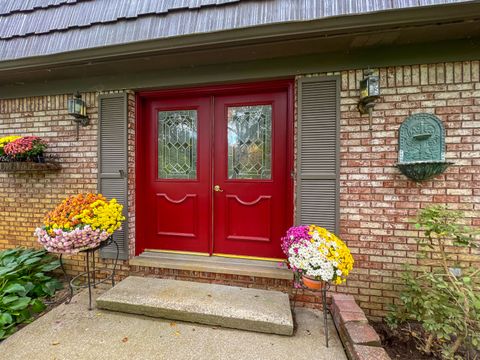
column 287, row 85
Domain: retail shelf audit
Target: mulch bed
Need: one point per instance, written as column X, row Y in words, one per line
column 397, row 345
column 403, row 344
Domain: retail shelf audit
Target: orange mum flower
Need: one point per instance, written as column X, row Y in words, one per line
column 64, row 215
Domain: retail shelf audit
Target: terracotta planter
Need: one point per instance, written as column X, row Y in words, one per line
column 312, row 284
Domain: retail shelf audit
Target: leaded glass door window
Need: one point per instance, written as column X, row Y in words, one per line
column 177, row 144
column 250, row 142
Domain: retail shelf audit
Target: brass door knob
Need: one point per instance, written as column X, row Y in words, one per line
column 217, row 188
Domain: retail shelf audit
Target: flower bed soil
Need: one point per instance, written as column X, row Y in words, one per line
column 402, row 344
column 398, row 346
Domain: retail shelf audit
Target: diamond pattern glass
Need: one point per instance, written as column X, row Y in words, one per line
column 250, row 142
column 177, row 144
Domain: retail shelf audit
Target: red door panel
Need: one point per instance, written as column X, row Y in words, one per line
column 234, row 139
column 250, row 168
column 177, row 167
column 177, row 217
column 258, row 212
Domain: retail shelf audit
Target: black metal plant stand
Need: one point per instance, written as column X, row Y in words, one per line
column 326, row 310
column 91, row 273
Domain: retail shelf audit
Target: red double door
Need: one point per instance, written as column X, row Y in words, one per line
column 215, row 173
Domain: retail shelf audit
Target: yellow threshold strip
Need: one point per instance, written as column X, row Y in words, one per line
column 217, row 254
column 178, row 252
column 248, row 257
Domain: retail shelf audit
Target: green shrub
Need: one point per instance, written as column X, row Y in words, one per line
column 23, row 284
column 445, row 303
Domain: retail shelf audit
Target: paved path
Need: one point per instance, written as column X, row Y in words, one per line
column 71, row 332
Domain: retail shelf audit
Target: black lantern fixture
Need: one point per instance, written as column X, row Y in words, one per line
column 78, row 109
column 369, row 93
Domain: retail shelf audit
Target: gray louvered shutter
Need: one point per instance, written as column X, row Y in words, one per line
column 113, row 162
column 318, row 152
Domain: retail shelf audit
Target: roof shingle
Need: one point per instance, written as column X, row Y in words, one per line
column 42, row 27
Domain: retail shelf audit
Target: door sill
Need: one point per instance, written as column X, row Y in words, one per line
column 214, row 264
column 176, row 252
column 249, row 257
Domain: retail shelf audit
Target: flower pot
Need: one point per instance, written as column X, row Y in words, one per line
column 312, row 284
column 71, row 241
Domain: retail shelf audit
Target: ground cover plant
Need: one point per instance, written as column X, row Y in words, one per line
column 442, row 306
column 24, row 285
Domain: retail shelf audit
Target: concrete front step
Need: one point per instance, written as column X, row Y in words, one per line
column 211, row 304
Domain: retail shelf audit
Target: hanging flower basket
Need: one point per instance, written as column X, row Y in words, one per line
column 22, row 148
column 27, row 166
column 80, row 222
column 24, row 154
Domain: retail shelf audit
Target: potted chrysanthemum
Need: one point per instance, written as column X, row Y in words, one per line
column 317, row 256
column 80, row 222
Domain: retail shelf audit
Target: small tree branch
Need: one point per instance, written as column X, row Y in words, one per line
column 428, row 345
column 456, row 345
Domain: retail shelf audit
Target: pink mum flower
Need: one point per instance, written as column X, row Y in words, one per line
column 23, row 145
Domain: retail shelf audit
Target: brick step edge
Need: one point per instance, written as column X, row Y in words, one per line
column 360, row 340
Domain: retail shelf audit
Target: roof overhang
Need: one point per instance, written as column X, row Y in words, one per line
column 397, row 37
column 465, row 13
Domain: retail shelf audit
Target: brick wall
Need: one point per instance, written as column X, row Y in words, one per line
column 376, row 200
column 131, row 114
column 26, row 197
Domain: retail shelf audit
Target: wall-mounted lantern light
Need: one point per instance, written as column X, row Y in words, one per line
column 369, row 93
column 78, row 109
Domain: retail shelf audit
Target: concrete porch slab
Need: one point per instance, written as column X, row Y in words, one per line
column 211, row 304
column 214, row 264
column 71, row 332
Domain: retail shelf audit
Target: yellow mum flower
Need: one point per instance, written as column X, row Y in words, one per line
column 331, row 249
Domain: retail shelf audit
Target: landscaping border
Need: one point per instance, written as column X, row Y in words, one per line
column 360, row 340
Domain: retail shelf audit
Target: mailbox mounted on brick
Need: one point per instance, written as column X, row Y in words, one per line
column 421, row 140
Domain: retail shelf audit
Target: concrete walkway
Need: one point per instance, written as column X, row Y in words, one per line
column 71, row 332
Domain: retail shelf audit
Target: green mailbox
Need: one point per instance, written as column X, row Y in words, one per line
column 421, row 141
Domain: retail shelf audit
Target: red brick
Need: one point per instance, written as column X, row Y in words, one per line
column 363, row 334
column 364, row 352
column 347, row 316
